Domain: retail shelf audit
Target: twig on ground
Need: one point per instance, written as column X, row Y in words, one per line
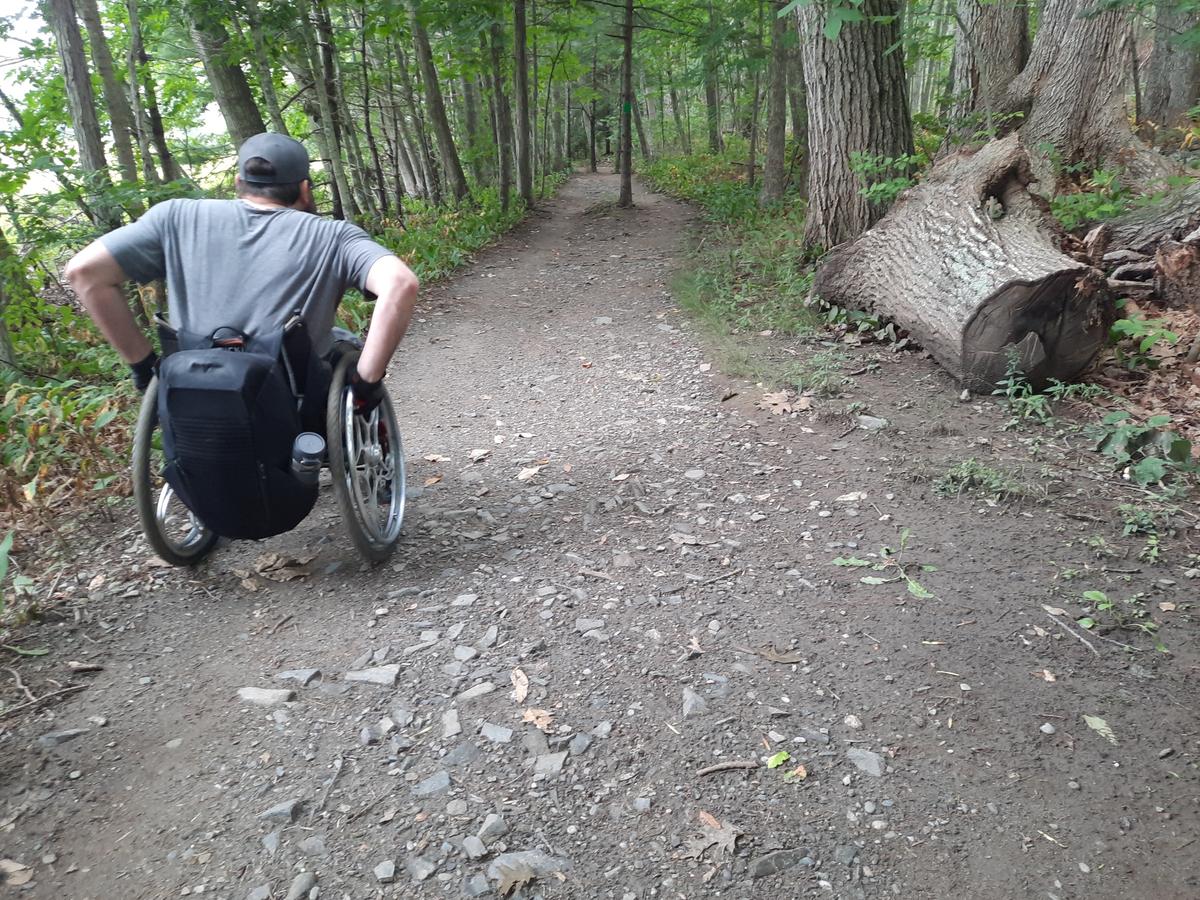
column 281, row 623
column 1077, row 637
column 17, row 677
column 728, row 765
column 71, row 689
column 338, row 765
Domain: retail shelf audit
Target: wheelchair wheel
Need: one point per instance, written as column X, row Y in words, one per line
column 366, row 462
column 171, row 529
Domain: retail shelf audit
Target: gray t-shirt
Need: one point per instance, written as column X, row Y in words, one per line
column 228, row 263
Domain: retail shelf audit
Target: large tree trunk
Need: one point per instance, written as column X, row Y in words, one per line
column 1073, row 97
column 503, row 117
column 773, row 173
column 712, row 100
column 476, row 144
column 342, row 115
column 82, row 102
column 228, row 81
column 991, row 47
column 1144, row 228
column 521, row 89
column 626, row 196
column 1173, row 73
column 857, row 103
column 967, row 262
column 428, row 166
column 120, row 117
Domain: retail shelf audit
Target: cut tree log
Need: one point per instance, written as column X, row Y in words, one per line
column 1144, row 228
column 968, row 263
column 1177, row 281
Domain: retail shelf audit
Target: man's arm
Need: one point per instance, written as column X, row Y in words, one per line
column 98, row 280
column 395, row 287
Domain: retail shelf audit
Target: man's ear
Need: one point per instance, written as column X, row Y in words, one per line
column 306, row 198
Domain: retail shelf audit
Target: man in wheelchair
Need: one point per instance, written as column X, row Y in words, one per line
column 264, row 275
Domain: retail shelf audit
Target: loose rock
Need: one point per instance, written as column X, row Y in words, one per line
column 382, row 675
column 866, row 761
column 302, row 886
column 385, row 872
column 265, row 696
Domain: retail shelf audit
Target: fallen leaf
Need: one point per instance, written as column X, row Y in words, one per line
column 520, row 683
column 778, row 759
column 249, row 584
column 766, row 651
column 527, row 474
column 1167, row 606
column 1046, row 675
column 432, row 480
column 853, row 497
column 15, row 873
column 478, row 455
column 709, row 820
column 777, row 403
column 278, row 567
column 1055, row 610
column 538, row 718
column 567, row 467
column 797, row 774
column 514, row 877
column 436, row 458
column 1101, row 728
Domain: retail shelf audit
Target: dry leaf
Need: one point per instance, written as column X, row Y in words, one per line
column 527, row 474
column 1046, row 675
column 709, row 820
column 249, row 584
column 15, row 873
column 1055, row 610
column 1167, row 606
column 478, row 455
column 278, row 567
column 778, row 403
column 432, row 480
column 797, row 774
column 539, row 718
column 853, row 497
column 514, row 877
column 766, row 651
column 1101, row 728
column 567, row 467
column 436, row 458
column 520, row 685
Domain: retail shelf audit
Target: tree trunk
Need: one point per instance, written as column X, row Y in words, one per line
column 262, row 68
column 322, row 78
column 639, row 126
column 1144, row 228
column 1177, row 279
column 712, row 102
column 343, row 120
column 773, row 173
column 227, row 80
column 521, row 88
column 756, row 97
column 991, row 47
column 60, row 14
column 625, row 199
column 967, row 262
column 429, row 170
column 137, row 52
column 592, row 117
column 120, row 117
column 368, row 128
column 1072, row 92
column 857, row 103
column 476, row 145
column 1173, row 72
column 677, row 115
column 503, row 118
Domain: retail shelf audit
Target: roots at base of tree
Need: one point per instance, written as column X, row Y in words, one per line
column 969, row 263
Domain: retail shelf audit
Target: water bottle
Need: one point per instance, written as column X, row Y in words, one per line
column 307, row 452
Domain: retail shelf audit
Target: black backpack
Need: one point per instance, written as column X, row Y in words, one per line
column 230, row 409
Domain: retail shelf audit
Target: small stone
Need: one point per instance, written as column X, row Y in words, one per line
column 383, row 675
column 477, row 691
column 641, row 804
column 385, row 872
column 434, row 784
column 813, row 736
column 1165, row 752
column 54, row 738
column 694, row 474
column 474, row 847
column 845, row 854
column 602, row 730
column 475, row 886
column 270, row 842
column 314, row 845
column 1085, row 868
column 489, row 638
column 869, row 807
column 497, row 734
column 550, row 763
column 287, row 811
column 493, row 827
column 262, row 892
column 773, row 863
column 541, row 864
column 456, row 808
column 871, row 423
column 174, row 743
column 1073, row 785
column 579, row 744
column 464, row 653
column 693, row 703
column 584, row 625
column 304, row 676
column 419, row 867
column 464, row 600
column 464, row 753
column 450, row 725
column 866, row 761
column 302, row 886
column 623, row 559
column 852, row 722
column 265, row 696
column 1047, row 728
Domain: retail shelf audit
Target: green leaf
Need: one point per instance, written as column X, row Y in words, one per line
column 851, row 561
column 1086, row 622
column 778, row 759
column 873, row 579
column 5, row 547
column 1095, row 596
column 1101, row 728
column 21, row 651
column 1150, row 470
column 917, row 590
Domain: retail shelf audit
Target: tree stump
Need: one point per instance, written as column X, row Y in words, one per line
column 968, row 263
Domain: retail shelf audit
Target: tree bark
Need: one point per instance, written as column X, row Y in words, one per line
column 521, row 88
column 319, row 64
column 967, row 262
column 643, row 139
column 262, row 68
column 991, row 47
column 120, row 117
column 712, row 102
column 228, row 81
column 137, row 51
column 342, row 116
column 1144, row 228
column 428, row 166
column 504, row 124
column 773, row 172
column 1173, row 72
column 476, row 144
column 60, row 14
column 625, row 199
column 857, row 103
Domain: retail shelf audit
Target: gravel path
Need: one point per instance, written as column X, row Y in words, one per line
column 616, row 577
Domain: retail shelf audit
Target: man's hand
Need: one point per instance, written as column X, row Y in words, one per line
column 143, row 370
column 367, row 394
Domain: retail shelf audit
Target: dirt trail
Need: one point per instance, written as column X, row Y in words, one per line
column 668, row 537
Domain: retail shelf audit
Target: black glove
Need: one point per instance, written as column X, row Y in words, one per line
column 143, row 371
column 367, row 394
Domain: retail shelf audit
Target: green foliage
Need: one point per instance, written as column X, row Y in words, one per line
column 1100, row 196
column 1136, row 338
column 884, row 178
column 893, row 568
column 972, row 476
column 1152, row 453
column 1130, row 613
column 1025, row 404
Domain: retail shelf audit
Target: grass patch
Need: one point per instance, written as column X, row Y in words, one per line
column 973, row 477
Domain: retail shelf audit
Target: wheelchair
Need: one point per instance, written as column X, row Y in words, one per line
column 364, row 457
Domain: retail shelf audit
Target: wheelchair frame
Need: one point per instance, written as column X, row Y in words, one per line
column 366, row 462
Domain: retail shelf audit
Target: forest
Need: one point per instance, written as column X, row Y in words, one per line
column 997, row 179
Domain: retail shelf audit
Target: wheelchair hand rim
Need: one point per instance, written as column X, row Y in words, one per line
column 374, row 463
column 164, row 516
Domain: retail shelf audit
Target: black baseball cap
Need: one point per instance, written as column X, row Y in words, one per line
column 286, row 154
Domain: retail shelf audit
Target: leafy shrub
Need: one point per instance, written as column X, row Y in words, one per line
column 1136, row 338
column 1152, row 452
